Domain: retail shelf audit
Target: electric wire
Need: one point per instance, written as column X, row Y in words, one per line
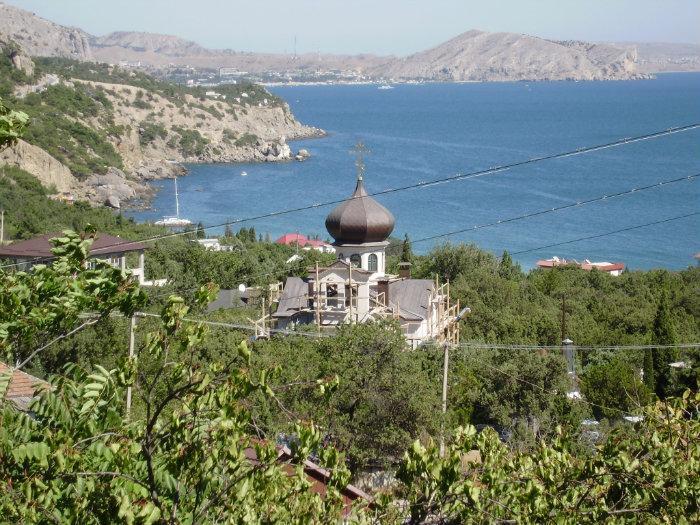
column 421, row 184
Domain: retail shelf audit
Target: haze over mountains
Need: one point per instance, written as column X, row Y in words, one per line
column 474, row 55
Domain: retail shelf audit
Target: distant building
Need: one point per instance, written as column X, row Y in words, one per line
column 291, row 239
column 356, row 287
column 214, row 245
column 614, row 269
column 111, row 249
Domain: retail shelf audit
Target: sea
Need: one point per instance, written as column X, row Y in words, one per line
column 418, row 133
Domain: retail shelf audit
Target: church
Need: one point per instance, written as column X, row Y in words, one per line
column 356, row 287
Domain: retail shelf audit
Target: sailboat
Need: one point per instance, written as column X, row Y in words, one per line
column 176, row 221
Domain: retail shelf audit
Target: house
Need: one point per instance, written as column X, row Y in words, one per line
column 109, row 248
column 214, row 245
column 291, row 239
column 23, row 387
column 614, row 269
column 356, row 287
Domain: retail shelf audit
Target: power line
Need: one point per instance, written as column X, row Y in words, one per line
column 596, row 236
column 528, row 215
column 422, row 184
column 558, row 208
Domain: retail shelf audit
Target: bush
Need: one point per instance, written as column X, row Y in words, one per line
column 150, row 131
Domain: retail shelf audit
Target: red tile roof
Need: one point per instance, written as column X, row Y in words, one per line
column 22, row 386
column 317, row 475
column 40, row 247
column 585, row 265
column 291, row 238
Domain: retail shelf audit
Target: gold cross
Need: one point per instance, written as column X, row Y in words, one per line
column 360, row 151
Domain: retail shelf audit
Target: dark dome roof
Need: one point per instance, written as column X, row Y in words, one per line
column 360, row 219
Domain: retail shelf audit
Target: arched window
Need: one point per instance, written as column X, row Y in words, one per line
column 372, row 262
column 356, row 260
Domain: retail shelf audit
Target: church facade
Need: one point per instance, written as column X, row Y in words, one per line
column 356, row 287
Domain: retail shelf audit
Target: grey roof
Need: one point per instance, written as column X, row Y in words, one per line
column 294, row 297
column 412, row 297
column 41, row 246
column 225, row 299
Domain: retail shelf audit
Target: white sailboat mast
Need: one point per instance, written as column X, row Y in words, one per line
column 177, row 201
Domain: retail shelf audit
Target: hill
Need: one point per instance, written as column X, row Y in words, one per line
column 478, row 55
column 98, row 132
column 474, row 55
column 40, row 37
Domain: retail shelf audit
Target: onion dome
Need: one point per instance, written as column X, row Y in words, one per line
column 360, row 219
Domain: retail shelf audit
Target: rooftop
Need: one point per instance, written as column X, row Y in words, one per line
column 40, row 247
column 22, row 387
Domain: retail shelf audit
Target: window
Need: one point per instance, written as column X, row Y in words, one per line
column 356, row 260
column 341, row 256
column 372, row 262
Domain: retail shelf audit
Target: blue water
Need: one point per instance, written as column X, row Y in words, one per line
column 424, row 132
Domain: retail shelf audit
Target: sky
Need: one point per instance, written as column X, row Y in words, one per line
column 383, row 27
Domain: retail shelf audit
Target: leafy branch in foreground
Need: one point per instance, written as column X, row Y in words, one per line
column 49, row 300
column 12, row 125
column 648, row 476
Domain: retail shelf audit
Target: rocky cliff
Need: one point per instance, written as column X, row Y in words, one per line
column 49, row 171
column 100, row 140
column 40, row 37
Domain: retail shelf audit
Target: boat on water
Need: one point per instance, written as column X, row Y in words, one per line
column 244, row 174
column 174, row 221
column 385, row 86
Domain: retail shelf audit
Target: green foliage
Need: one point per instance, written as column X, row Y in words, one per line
column 649, row 476
column 191, row 142
column 12, row 125
column 29, row 211
column 182, row 454
column 614, row 388
column 57, row 125
column 247, row 139
column 150, row 131
column 511, row 390
column 663, row 334
column 48, row 300
column 385, row 397
column 79, row 459
column 406, row 251
column 510, row 307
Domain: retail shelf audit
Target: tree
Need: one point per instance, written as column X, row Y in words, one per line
column 12, row 125
column 647, row 476
column 663, row 333
column 47, row 302
column 648, row 368
column 614, row 389
column 506, row 268
column 406, row 251
column 385, row 398
column 201, row 233
column 228, row 231
column 185, row 454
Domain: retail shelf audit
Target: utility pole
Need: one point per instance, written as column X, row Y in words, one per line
column 318, row 301
column 2, row 227
column 352, row 319
column 132, row 326
column 563, row 317
column 445, row 372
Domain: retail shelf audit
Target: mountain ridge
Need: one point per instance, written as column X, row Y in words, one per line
column 472, row 55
